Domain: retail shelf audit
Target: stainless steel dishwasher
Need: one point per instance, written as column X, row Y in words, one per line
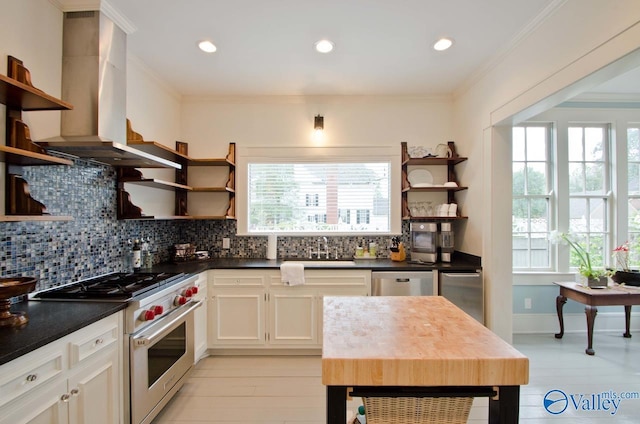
column 401, row 283
column 465, row 290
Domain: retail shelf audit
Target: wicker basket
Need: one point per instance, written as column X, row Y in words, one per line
column 417, row 410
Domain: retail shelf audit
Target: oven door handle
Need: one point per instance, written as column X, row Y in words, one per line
column 145, row 340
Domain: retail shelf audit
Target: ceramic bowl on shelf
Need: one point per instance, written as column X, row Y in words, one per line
column 418, row 152
column 420, row 178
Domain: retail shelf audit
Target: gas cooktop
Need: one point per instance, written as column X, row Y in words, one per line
column 116, row 287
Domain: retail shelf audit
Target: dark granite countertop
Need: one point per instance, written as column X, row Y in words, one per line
column 48, row 322
column 461, row 263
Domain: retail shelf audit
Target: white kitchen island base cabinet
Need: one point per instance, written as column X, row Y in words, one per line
column 75, row 380
column 253, row 309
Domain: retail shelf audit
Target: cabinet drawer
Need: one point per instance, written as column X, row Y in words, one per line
column 92, row 345
column 30, row 371
column 238, row 281
column 336, row 280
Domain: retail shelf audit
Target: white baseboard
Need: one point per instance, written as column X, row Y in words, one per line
column 573, row 323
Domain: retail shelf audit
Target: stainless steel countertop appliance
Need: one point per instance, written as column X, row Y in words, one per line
column 159, row 332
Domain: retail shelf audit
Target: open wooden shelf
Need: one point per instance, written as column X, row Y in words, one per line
column 17, row 95
column 434, row 189
column 128, row 210
column 26, row 158
column 16, row 218
column 212, row 190
column 449, row 163
column 156, row 183
column 434, row 161
column 160, row 150
column 435, row 218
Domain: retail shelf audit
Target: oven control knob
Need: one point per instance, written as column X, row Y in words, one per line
column 179, row 300
column 194, row 289
column 147, row 315
column 158, row 309
column 188, row 292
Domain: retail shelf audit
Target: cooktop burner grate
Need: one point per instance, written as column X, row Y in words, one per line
column 111, row 287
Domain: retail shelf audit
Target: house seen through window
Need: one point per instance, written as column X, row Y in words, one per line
column 319, row 197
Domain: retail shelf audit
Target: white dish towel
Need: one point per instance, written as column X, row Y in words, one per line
column 292, row 274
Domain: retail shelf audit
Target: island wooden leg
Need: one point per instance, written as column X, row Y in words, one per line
column 591, row 312
column 627, row 321
column 560, row 301
column 336, row 404
column 506, row 408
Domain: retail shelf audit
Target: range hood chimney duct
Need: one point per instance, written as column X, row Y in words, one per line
column 94, row 61
column 94, row 78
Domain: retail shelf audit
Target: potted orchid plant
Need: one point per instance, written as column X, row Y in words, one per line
column 595, row 277
column 624, row 275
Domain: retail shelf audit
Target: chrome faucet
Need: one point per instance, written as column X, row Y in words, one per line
column 326, row 248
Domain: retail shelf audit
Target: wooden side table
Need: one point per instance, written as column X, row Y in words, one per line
column 613, row 295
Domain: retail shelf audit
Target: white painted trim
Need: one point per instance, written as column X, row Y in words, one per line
column 620, row 52
column 573, row 323
column 102, row 5
column 117, row 17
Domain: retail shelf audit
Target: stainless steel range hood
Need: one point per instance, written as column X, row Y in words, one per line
column 94, row 60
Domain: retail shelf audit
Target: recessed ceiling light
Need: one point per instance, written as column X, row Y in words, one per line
column 207, row 46
column 324, row 46
column 443, row 44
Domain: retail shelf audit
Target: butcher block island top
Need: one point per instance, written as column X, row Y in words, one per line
column 413, row 341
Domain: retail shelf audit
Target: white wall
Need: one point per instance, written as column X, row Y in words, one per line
column 209, row 124
column 31, row 31
column 154, row 111
column 578, row 38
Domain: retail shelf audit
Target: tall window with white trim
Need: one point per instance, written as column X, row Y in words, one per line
column 633, row 187
column 532, row 193
column 589, row 191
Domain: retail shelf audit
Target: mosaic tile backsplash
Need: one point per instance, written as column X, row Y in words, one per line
column 95, row 242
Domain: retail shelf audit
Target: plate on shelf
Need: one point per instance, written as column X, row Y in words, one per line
column 420, row 178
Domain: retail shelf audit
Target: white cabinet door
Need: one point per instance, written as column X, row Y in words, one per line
column 43, row 406
column 236, row 316
column 292, row 316
column 95, row 393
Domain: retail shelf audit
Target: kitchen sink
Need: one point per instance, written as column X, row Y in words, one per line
column 319, row 263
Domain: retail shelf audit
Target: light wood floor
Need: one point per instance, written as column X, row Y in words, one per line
column 288, row 390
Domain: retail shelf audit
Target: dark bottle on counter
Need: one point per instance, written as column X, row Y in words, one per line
column 137, row 255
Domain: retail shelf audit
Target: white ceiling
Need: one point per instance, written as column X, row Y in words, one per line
column 265, row 47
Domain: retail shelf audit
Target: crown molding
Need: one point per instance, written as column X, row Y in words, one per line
column 100, row 5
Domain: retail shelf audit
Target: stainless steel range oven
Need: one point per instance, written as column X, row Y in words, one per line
column 161, row 354
column 159, row 332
